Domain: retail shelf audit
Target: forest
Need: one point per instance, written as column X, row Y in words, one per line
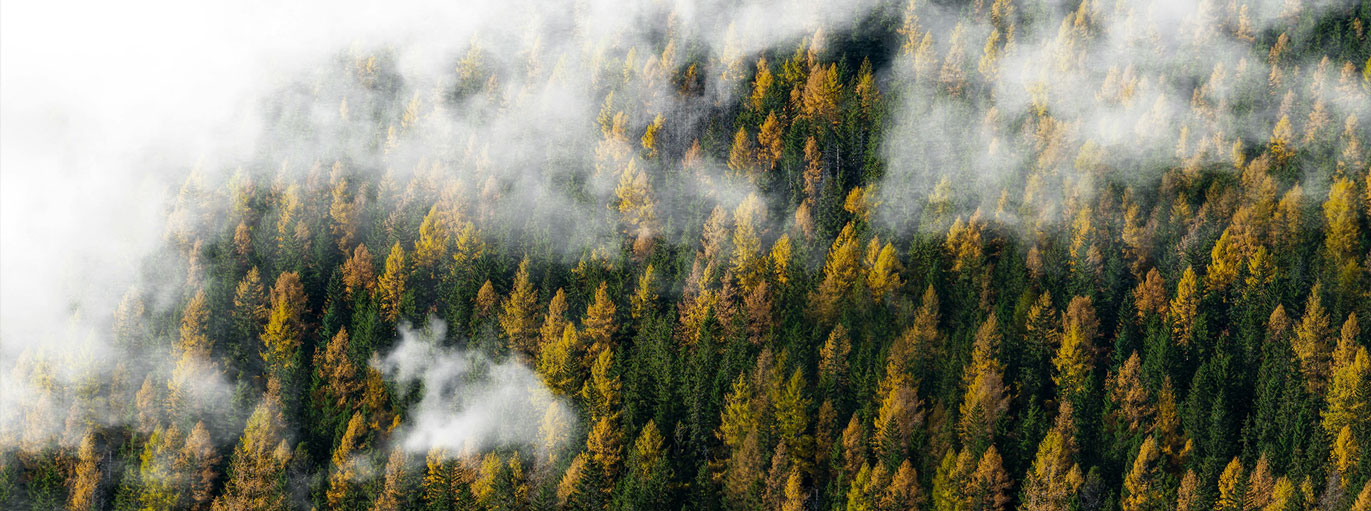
column 935, row 254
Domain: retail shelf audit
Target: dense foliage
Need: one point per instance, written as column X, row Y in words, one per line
column 1175, row 329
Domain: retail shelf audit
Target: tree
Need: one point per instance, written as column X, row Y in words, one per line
column 1230, row 487
column 883, row 276
column 1073, row 360
column 1142, row 487
column 195, row 323
column 201, row 460
column 517, row 317
column 1310, row 341
column 989, row 484
column 742, row 155
column 342, row 490
column 1184, row 307
column 85, row 482
column 358, row 273
column 821, row 94
column 338, row 376
column 285, row 330
column 605, row 446
column 555, row 321
column 557, row 362
column 392, row 495
column 391, row 286
column 258, row 466
column 833, row 358
column 599, row 326
column 986, row 399
column 770, row 140
column 1054, row 479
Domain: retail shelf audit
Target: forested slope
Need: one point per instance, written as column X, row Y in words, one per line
column 945, row 255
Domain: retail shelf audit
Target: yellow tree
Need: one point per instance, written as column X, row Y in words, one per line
column 259, row 461
column 517, row 318
column 1142, row 487
column 1349, row 393
column 604, row 389
column 195, row 323
column 1231, row 487
column 555, row 321
column 1130, row 396
column 821, row 95
column 741, row 155
column 840, row 274
column 558, row 360
column 1311, row 341
column 391, row 286
column 599, row 324
column 393, row 482
column 201, row 460
column 358, row 272
column 284, row 331
column 645, row 296
column 884, row 274
column 85, row 481
column 1185, row 306
column 338, row 375
column 342, row 482
column 1340, row 212
column 432, row 246
column 986, row 399
column 769, row 142
column 605, row 446
column 1054, row 478
column 988, row 488
column 635, row 202
column 1073, row 360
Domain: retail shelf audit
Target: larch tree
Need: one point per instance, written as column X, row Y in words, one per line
column 390, row 288
column 1311, row 343
column 358, row 271
column 85, row 481
column 986, row 399
column 257, row 470
column 558, row 361
column 1074, row 358
column 1054, row 478
column 554, row 321
column 284, row 332
column 599, row 326
column 201, row 459
column 1184, row 307
column 337, row 374
column 1142, row 486
column 770, row 140
column 518, row 316
column 1231, row 487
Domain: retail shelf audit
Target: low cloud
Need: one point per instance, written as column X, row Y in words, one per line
column 470, row 403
